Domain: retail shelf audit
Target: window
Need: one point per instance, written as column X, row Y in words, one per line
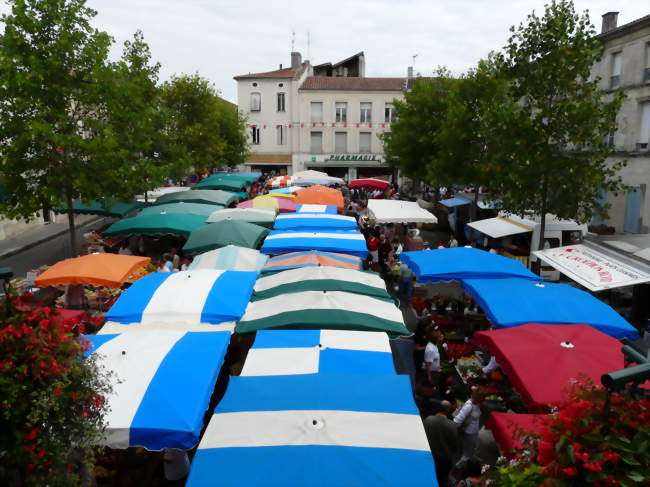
column 281, row 102
column 644, row 131
column 365, row 115
column 340, row 142
column 609, row 140
column 255, row 135
column 316, row 111
column 281, row 133
column 256, row 101
column 388, row 112
column 341, row 112
column 316, row 140
column 617, row 64
column 646, row 72
column 365, row 140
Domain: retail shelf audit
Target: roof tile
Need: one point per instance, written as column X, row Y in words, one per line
column 361, row 84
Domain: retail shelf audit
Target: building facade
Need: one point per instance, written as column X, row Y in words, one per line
column 625, row 65
column 326, row 117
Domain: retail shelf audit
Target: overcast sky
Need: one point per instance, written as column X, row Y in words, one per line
column 224, row 38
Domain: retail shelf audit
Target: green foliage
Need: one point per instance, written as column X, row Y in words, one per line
column 52, row 404
column 201, row 130
column 552, row 142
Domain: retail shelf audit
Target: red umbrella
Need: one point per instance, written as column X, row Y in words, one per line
column 541, row 360
column 506, row 427
column 369, row 183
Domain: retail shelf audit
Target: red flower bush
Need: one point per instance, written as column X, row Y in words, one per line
column 48, row 397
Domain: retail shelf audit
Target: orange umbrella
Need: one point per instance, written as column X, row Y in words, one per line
column 320, row 195
column 109, row 270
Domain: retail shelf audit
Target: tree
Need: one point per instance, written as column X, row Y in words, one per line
column 552, row 148
column 200, row 129
column 64, row 130
column 411, row 144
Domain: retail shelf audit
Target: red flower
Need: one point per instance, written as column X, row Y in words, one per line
column 570, row 471
column 56, row 391
column 40, row 454
column 73, row 396
column 594, row 467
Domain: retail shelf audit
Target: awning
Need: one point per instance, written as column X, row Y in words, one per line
column 397, row 211
column 506, row 428
column 499, row 227
column 455, row 201
column 594, row 268
column 342, row 241
column 323, row 222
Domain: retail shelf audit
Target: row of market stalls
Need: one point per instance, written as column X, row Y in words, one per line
column 318, row 385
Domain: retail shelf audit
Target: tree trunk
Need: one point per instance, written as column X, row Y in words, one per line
column 542, row 229
column 71, row 226
column 474, row 208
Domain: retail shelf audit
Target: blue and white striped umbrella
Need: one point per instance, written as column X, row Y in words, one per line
column 230, row 257
column 315, row 430
column 343, row 241
column 197, row 296
column 287, row 352
column 308, row 221
column 331, row 209
column 162, row 383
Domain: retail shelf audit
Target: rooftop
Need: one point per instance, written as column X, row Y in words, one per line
column 278, row 73
column 637, row 24
column 353, row 84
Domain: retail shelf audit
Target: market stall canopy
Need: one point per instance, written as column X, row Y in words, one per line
column 197, row 296
column 287, row 190
column 330, row 209
column 231, row 258
column 462, row 263
column 499, row 226
column 284, row 205
column 327, row 181
column 312, row 258
column 369, row 183
column 595, row 268
column 227, row 232
column 280, row 182
column 335, row 310
column 95, row 207
column 455, row 201
column 507, row 427
column 288, row 352
column 310, row 173
column 230, row 182
column 322, row 221
column 321, row 279
column 240, row 195
column 161, row 385
column 542, row 360
column 180, row 207
column 206, row 196
column 397, row 211
column 513, row 301
column 252, row 176
column 281, row 195
column 259, row 216
column 108, row 270
column 343, row 241
column 154, row 194
column 320, row 195
column 156, row 224
column 315, row 430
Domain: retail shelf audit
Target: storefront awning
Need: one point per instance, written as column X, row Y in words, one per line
column 455, row 201
column 594, row 267
column 499, row 227
column 397, row 211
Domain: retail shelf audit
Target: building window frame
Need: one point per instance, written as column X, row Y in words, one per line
column 256, row 101
column 362, row 148
column 365, row 112
column 312, row 148
column 646, row 70
column 341, row 111
column 255, row 134
column 281, row 102
column 312, row 113
column 343, row 149
column 281, row 135
column 389, row 112
column 617, row 66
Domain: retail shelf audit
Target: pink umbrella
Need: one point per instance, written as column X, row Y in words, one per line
column 369, row 183
column 283, row 205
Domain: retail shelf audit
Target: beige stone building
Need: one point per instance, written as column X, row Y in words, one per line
column 625, row 65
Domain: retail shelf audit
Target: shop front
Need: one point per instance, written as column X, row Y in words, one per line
column 274, row 164
column 352, row 166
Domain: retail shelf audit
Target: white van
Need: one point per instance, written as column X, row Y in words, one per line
column 517, row 238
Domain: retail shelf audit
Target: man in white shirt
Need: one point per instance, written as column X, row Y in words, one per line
column 431, row 362
column 468, row 423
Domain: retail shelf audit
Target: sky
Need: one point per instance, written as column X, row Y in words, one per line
column 220, row 39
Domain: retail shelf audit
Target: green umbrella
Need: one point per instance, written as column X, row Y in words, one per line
column 205, row 196
column 181, row 207
column 220, row 234
column 96, row 207
column 157, row 224
column 229, row 183
column 259, row 216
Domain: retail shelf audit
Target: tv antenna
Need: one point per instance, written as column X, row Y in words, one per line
column 308, row 45
column 413, row 57
column 293, row 40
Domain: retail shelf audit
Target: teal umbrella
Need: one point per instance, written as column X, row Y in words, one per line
column 95, row 207
column 227, row 232
column 183, row 208
column 228, row 183
column 157, row 224
column 205, row 196
column 259, row 216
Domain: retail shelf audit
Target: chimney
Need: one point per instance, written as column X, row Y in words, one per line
column 280, row 65
column 609, row 21
column 296, row 60
column 410, row 72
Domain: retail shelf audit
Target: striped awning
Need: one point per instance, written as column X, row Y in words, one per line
column 308, row 221
column 315, row 430
column 293, row 260
column 162, row 382
column 344, row 241
column 230, row 257
column 285, row 352
column 332, row 209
